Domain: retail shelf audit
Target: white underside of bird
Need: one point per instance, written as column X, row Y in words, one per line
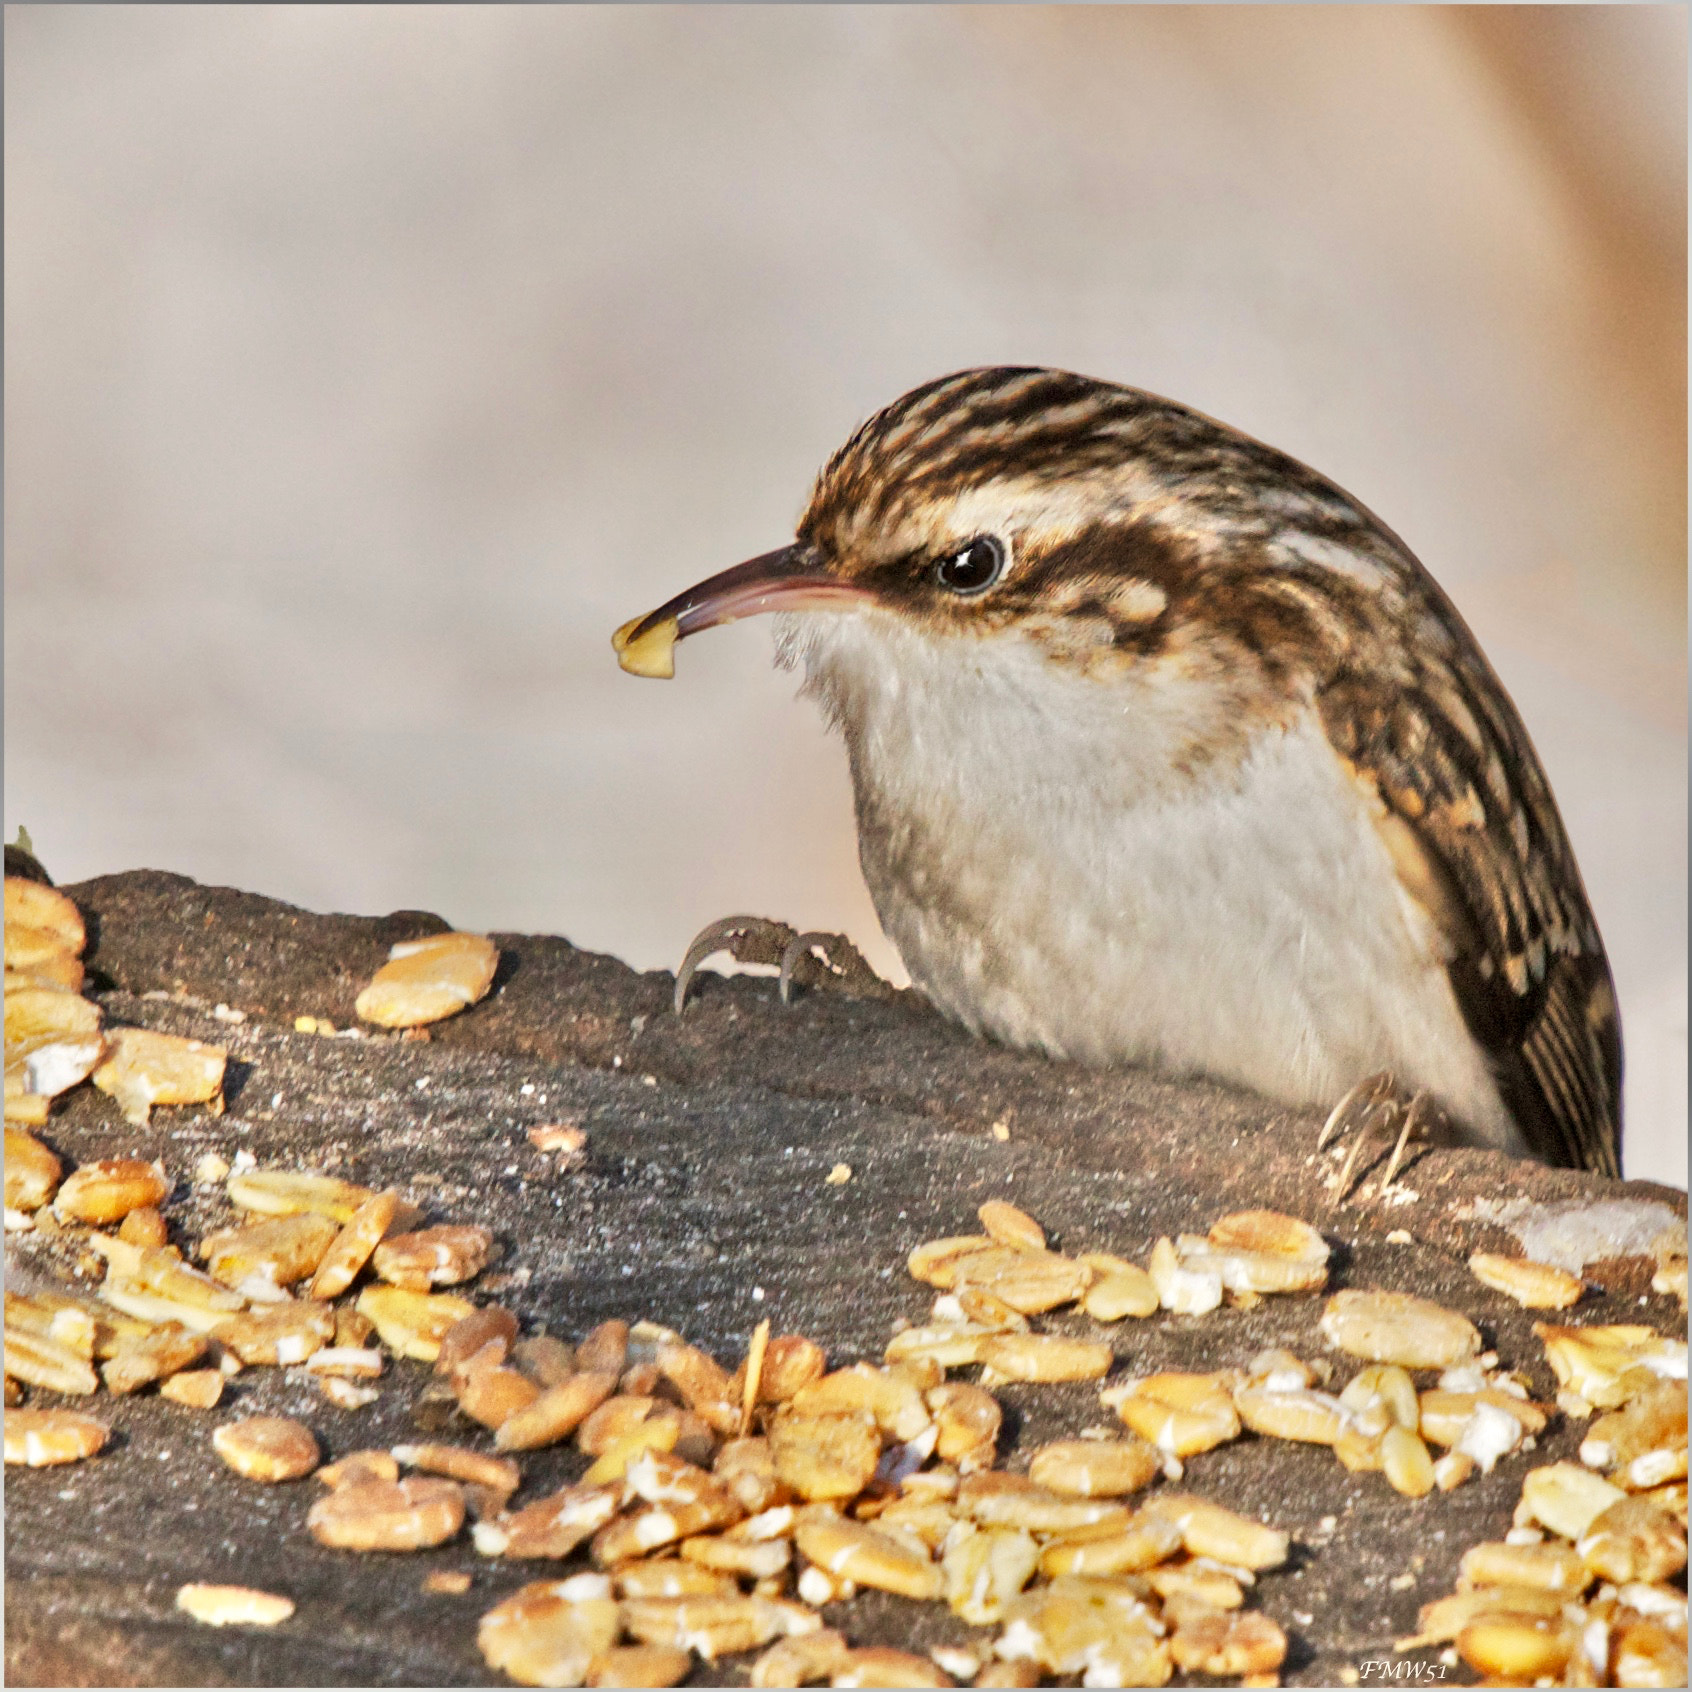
column 1063, row 866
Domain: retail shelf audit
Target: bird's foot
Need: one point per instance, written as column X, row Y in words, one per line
column 1375, row 1109
column 812, row 959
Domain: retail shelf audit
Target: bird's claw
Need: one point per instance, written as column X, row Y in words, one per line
column 1377, row 1102
column 811, row 958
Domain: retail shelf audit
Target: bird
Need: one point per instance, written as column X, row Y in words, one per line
column 1167, row 751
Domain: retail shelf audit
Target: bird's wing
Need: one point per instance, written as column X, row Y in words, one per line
column 1433, row 731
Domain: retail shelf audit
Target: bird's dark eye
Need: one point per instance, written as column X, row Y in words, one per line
column 975, row 568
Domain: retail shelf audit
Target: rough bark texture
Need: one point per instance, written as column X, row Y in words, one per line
column 702, row 1204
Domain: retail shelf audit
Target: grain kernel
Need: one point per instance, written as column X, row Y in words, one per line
column 1535, row 1286
column 1095, row 1468
column 641, row 1665
column 279, row 1250
column 267, row 1448
column 281, row 1192
column 144, row 1227
column 1210, row 1530
column 1405, row 1462
column 143, row 1068
column 457, row 1462
column 555, row 1414
column 804, row 1660
column 854, row 1551
column 162, row 1352
column 413, row 1324
column 882, row 1665
column 32, row 1171
column 550, row 1527
column 39, row 1438
column 1567, row 1498
column 1556, row 1568
column 1242, row 1643
column 45, row 1363
column 967, row 1421
column 1633, row 1540
column 984, row 1570
column 426, row 980
column 1315, row 1418
column 107, row 1190
column 1390, row 1327
column 825, row 1456
column 371, row 1515
column 1517, row 1649
column 40, row 915
column 223, row 1606
column 539, row 1637
column 714, row 1626
column 935, row 1262
column 1043, row 1357
column 1004, row 1500
column 1008, row 1226
column 438, row 1257
column 199, row 1389
column 1119, row 1293
column 283, row 1333
column 892, row 1399
column 1178, row 1413
column 1609, row 1365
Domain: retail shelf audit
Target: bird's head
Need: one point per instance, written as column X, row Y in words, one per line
column 1098, row 525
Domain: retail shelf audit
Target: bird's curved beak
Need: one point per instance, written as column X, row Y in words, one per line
column 788, row 579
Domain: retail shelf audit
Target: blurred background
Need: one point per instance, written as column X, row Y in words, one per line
column 365, row 366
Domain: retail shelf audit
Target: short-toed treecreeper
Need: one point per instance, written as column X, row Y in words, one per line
column 1167, row 751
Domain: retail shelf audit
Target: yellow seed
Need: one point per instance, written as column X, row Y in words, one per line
column 223, row 1606
column 823, row 1457
column 1535, row 1286
column 538, row 1637
column 45, row 1363
column 144, row 1068
column 1011, row 1227
column 1567, row 1498
column 107, row 1190
column 32, row 1171
column 640, row 1665
column 351, row 1249
column 267, row 1448
column 42, row 915
column 407, row 1515
column 1095, row 1468
column 426, row 980
column 854, row 1551
column 39, row 1438
column 1391, row 1327
column 281, row 1192
column 413, row 1324
column 1556, row 1568
column 1043, row 1357
column 651, row 652
column 1405, row 1462
column 1517, row 1649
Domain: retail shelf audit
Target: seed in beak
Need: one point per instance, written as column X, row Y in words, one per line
column 647, row 650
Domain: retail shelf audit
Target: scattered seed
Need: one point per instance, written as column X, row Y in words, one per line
column 32, row 1171
column 222, row 1606
column 1391, row 1327
column 267, row 1448
column 40, row 1438
column 407, row 1515
column 428, row 979
column 144, row 1068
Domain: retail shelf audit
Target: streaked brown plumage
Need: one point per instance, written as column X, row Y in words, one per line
column 1155, row 556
